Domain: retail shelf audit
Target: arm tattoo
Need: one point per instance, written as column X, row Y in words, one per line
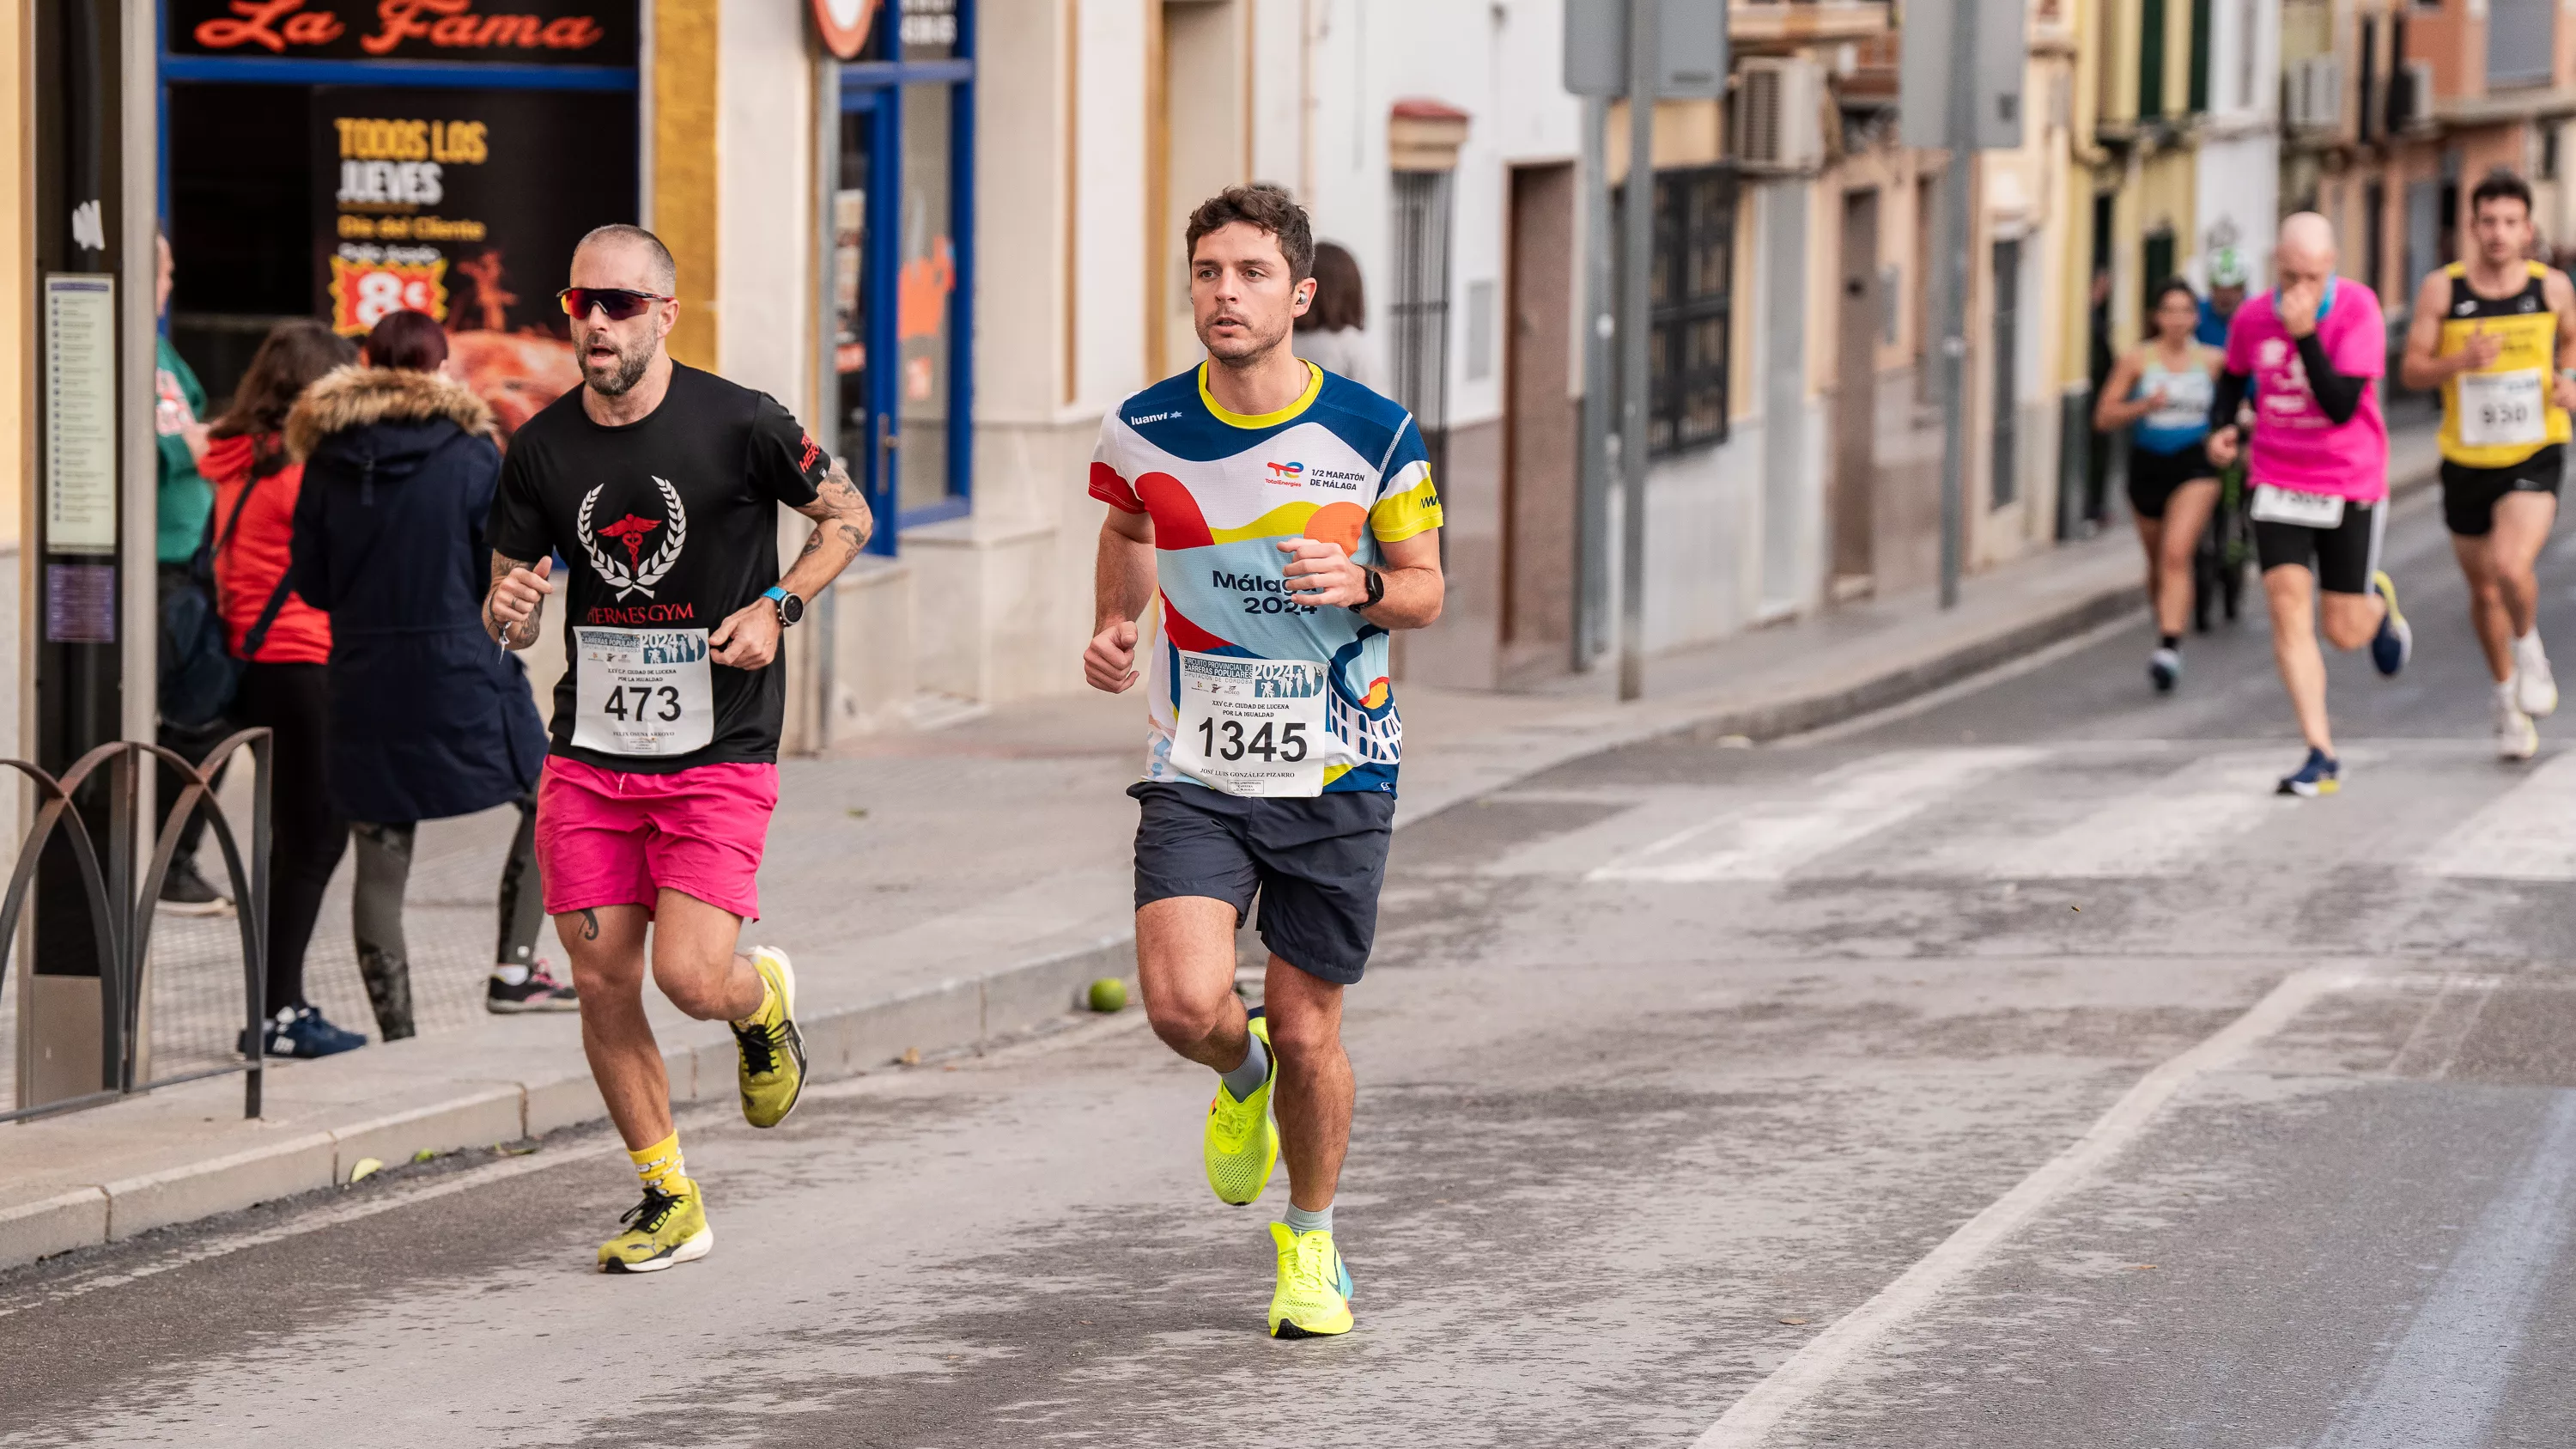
column 510, row 636
column 839, row 509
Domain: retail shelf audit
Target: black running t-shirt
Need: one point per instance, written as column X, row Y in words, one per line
column 669, row 524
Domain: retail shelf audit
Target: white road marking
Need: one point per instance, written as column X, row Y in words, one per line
column 1768, row 840
column 2527, row 833
column 2442, row 1385
column 2172, row 827
column 1812, row 1368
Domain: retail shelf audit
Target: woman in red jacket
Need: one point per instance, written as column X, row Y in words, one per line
column 286, row 644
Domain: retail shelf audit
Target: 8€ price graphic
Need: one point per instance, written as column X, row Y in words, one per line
column 365, row 291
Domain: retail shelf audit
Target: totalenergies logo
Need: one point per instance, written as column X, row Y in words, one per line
column 1287, row 472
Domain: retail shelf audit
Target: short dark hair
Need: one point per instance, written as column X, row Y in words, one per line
column 1267, row 207
column 412, row 341
column 2501, row 185
column 666, row 272
column 1339, row 301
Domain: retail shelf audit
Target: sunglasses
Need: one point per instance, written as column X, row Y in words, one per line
column 620, row 304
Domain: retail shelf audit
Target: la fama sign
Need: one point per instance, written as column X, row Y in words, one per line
column 543, row 32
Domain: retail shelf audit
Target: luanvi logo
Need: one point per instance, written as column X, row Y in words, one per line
column 1150, row 418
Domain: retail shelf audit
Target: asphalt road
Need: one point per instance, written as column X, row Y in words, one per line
column 2015, row 1071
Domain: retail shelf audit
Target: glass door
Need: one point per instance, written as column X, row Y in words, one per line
column 902, row 225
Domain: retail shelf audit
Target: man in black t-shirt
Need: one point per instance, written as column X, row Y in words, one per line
column 661, row 485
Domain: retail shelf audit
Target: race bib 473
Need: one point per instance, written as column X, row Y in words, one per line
column 644, row 692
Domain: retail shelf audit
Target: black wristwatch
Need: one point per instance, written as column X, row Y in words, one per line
column 790, row 607
column 1376, row 588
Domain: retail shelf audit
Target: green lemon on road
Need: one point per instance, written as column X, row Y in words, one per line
column 1108, row 994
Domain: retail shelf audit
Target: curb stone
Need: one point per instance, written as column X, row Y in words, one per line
column 962, row 1013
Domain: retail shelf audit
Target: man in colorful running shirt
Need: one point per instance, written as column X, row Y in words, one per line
column 2491, row 333
column 1268, row 524
column 2312, row 348
column 661, row 484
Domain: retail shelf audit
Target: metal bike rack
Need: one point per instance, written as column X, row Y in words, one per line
column 121, row 908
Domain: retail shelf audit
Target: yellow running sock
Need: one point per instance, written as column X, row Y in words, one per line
column 660, row 1166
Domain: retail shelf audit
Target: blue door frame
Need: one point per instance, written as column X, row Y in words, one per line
column 874, row 89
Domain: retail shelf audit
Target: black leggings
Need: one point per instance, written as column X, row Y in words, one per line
column 309, row 835
column 376, row 912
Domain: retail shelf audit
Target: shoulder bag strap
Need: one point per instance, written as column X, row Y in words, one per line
column 259, row 628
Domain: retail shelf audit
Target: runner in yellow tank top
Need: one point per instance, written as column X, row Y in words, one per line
column 2497, row 334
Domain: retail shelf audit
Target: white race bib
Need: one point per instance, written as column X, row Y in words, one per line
column 646, row 692
column 2307, row 510
column 2502, row 409
column 1251, row 726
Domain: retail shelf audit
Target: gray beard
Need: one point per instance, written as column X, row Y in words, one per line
column 630, row 371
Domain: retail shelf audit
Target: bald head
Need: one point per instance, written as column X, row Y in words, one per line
column 630, row 253
column 2307, row 249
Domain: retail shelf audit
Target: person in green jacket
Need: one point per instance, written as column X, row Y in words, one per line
column 181, row 504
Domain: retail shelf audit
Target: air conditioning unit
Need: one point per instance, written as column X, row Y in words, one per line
column 2315, row 100
column 2410, row 97
column 1779, row 115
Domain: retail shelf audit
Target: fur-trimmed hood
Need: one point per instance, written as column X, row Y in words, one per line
column 358, row 397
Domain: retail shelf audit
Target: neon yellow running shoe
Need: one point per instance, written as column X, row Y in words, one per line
column 773, row 1052
column 1313, row 1299
column 1241, row 1143
column 668, row 1228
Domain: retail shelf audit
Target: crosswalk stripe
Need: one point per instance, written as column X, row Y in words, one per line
column 1769, row 839
column 2526, row 833
column 2171, row 827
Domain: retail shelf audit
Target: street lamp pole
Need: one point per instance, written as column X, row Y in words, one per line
column 1956, row 186
column 1638, row 246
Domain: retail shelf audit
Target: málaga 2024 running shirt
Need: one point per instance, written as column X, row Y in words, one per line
column 670, row 524
column 1248, row 691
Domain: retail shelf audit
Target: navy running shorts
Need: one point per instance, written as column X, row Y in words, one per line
column 1317, row 864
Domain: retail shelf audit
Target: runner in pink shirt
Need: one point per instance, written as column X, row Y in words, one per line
column 2313, row 349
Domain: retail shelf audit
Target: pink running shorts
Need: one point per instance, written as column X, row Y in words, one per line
column 611, row 838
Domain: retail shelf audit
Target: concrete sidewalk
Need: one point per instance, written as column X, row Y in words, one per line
column 941, row 890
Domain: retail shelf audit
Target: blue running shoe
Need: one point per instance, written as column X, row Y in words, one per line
column 2395, row 642
column 2321, row 775
column 301, row 1031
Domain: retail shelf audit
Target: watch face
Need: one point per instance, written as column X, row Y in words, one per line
column 791, row 609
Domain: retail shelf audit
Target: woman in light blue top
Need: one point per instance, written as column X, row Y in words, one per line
column 2162, row 391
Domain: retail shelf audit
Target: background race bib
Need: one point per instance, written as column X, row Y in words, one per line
column 1251, row 726
column 2502, row 409
column 2307, row 510
column 646, row 692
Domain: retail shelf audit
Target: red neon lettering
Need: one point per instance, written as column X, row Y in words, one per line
column 519, row 30
column 572, row 32
column 257, row 26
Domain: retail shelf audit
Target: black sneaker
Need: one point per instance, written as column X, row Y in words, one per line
column 184, row 892
column 536, row 992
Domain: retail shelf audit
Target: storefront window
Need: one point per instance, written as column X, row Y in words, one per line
column 902, row 242
column 926, row 292
column 343, row 163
